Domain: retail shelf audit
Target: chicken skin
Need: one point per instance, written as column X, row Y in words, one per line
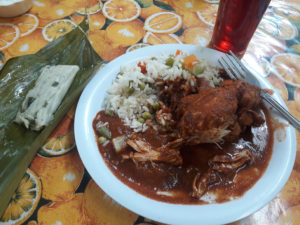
column 217, row 114
column 212, row 115
column 206, row 116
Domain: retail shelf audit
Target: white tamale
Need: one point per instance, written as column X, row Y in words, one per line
column 43, row 99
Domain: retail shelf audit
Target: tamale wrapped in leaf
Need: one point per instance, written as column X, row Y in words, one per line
column 19, row 145
column 42, row 100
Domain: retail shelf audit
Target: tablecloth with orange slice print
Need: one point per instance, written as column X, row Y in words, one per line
column 56, row 189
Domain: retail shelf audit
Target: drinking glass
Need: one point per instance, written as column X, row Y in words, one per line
column 236, row 23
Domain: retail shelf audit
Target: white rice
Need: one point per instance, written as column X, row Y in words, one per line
column 130, row 108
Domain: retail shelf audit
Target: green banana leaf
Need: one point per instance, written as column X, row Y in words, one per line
column 18, row 146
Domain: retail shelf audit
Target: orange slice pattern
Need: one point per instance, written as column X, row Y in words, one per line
column 196, row 36
column 157, row 39
column 63, row 212
column 106, row 48
column 121, row 10
column 60, row 176
column 101, row 209
column 163, row 22
column 146, row 12
column 92, row 7
column 26, row 23
column 209, row 14
column 125, row 34
column 57, row 28
column 287, row 67
column 29, row 44
column 9, row 33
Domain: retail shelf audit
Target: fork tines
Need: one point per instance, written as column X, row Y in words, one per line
column 233, row 66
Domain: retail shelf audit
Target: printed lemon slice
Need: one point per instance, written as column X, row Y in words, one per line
column 157, row 39
column 209, row 14
column 268, row 26
column 100, row 207
column 121, row 10
column 258, row 45
column 92, row 7
column 59, row 145
column 26, row 23
column 60, row 175
column 163, row 22
column 53, row 10
column 61, row 140
column 191, row 19
column 136, row 46
column 57, row 28
column 105, row 47
column 76, row 18
column 44, row 22
column 286, row 30
column 96, row 21
column 9, row 33
column 290, row 194
column 146, row 12
column 287, row 67
column 287, row 11
column 29, row 44
column 196, row 36
column 125, row 34
column 63, row 213
column 294, row 3
column 182, row 6
column 24, row 200
column 290, row 217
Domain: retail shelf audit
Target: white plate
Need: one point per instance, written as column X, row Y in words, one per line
column 261, row 193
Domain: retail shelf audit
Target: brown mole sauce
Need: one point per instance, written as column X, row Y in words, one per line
column 148, row 178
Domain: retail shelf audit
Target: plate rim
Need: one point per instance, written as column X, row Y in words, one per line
column 160, row 213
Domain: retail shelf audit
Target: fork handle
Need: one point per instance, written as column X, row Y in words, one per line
column 283, row 112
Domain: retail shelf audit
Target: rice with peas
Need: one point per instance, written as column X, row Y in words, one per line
column 132, row 93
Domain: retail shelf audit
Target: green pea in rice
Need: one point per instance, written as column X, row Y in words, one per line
column 129, row 101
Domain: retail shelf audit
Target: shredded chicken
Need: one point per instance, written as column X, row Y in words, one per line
column 144, row 152
column 222, row 164
column 211, row 115
column 192, row 113
column 200, row 184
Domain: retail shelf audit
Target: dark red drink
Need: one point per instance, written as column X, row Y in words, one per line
column 236, row 23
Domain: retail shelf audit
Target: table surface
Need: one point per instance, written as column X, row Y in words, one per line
column 63, row 192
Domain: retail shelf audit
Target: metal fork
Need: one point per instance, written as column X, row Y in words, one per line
column 237, row 71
